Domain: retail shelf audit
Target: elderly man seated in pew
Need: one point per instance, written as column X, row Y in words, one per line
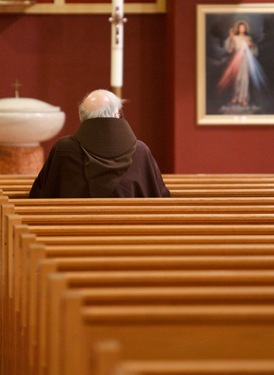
column 102, row 159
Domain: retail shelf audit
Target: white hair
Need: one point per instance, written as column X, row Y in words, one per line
column 110, row 108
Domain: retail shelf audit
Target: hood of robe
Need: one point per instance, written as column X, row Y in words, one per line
column 108, row 145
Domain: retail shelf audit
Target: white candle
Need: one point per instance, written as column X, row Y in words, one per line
column 117, row 43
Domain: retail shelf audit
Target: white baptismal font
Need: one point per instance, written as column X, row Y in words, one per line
column 24, row 123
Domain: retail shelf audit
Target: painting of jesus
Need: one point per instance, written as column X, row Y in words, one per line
column 238, row 59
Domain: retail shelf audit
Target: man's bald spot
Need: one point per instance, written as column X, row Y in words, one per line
column 95, row 100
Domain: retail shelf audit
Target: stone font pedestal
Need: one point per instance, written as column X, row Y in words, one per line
column 21, row 160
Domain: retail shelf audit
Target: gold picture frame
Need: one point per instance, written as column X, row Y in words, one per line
column 235, row 59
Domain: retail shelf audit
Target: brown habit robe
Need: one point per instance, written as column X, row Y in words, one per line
column 102, row 159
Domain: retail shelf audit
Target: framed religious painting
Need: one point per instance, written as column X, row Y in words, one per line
column 235, row 60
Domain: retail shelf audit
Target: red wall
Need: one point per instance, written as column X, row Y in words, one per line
column 59, row 58
column 207, row 149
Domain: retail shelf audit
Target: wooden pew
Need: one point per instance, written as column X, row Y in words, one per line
column 14, row 185
column 18, row 186
column 4, row 177
column 180, row 216
column 182, row 193
column 175, row 177
column 250, row 256
column 200, row 296
column 108, row 359
column 262, row 220
column 151, row 230
column 142, row 278
column 135, row 219
column 152, row 245
column 96, row 230
column 212, row 179
column 141, row 209
column 219, row 178
column 192, row 368
column 181, row 178
column 148, row 219
column 166, row 332
column 30, row 200
column 159, row 278
column 170, row 178
column 200, row 185
column 117, row 250
column 182, row 221
column 147, row 202
column 168, row 175
column 31, row 283
column 49, row 219
column 8, row 258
